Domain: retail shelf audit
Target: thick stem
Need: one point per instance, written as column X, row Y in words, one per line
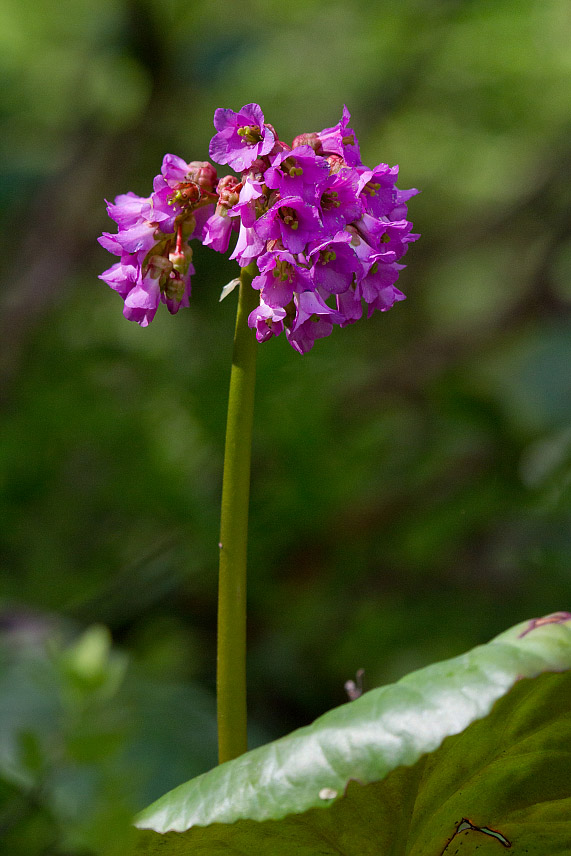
column 231, row 671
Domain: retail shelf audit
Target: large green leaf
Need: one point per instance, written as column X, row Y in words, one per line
column 463, row 756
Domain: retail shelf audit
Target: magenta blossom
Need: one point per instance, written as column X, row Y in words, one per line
column 335, row 264
column 219, row 225
column 267, row 321
column 249, row 245
column 291, row 221
column 242, row 137
column 297, row 173
column 338, row 140
column 337, row 200
column 313, row 320
column 280, row 277
column 137, row 234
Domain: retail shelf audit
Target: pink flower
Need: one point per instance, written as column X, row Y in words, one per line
column 242, row 137
column 267, row 321
column 280, row 277
column 291, row 221
column 314, row 319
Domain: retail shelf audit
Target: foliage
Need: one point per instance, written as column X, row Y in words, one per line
column 404, row 769
column 83, row 740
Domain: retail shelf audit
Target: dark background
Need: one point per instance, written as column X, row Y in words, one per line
column 411, row 475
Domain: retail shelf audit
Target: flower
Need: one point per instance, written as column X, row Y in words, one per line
column 291, row 221
column 326, row 231
column 136, row 233
column 242, row 137
column 219, row 225
column 297, row 172
column 267, row 321
column 337, row 200
column 280, row 277
column 338, row 140
column 249, row 244
column 335, row 264
column 313, row 320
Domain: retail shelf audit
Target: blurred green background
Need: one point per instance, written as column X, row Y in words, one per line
column 411, row 475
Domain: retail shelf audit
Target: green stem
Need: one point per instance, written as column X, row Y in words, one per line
column 231, row 671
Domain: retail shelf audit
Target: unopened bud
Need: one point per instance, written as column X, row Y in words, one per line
column 180, row 260
column 174, row 287
column 311, row 139
column 336, row 163
column 188, row 225
column 186, row 193
column 203, row 174
column 228, row 190
column 158, row 266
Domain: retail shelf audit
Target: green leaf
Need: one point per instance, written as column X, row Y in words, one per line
column 463, row 756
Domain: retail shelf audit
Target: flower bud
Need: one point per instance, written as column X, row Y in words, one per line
column 228, row 190
column 311, row 139
column 180, row 260
column 186, row 193
column 158, row 266
column 174, row 287
column 336, row 163
column 203, row 174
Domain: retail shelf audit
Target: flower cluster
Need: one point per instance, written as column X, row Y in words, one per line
column 326, row 232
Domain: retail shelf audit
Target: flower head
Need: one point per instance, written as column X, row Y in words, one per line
column 327, row 232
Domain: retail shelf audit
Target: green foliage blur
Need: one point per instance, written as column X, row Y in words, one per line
column 411, row 475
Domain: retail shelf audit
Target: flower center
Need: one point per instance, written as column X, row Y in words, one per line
column 330, row 199
column 291, row 167
column 326, row 256
column 371, row 188
column 283, row 270
column 289, row 217
column 250, row 133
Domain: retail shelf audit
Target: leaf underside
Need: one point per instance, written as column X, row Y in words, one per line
column 472, row 755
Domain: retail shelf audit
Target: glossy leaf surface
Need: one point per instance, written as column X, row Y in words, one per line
column 463, row 756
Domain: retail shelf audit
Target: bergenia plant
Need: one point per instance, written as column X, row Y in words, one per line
column 318, row 237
